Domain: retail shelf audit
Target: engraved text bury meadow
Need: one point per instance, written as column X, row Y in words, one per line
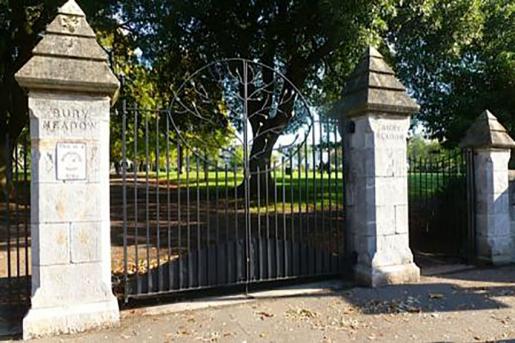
column 390, row 132
column 68, row 120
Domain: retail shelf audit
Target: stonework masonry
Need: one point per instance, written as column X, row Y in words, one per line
column 492, row 146
column 71, row 89
column 375, row 113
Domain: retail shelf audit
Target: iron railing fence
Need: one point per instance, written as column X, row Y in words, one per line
column 441, row 211
column 15, row 254
column 184, row 218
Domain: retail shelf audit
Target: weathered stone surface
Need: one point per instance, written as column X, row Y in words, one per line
column 373, row 87
column 54, row 247
column 376, row 106
column 85, row 241
column 487, row 132
column 493, row 221
column 68, row 58
column 70, row 90
column 67, row 320
column 387, row 275
column 492, row 144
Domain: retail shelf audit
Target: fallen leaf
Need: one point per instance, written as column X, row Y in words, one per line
column 435, row 295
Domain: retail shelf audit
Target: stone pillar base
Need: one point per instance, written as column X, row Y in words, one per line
column 72, row 319
column 494, row 250
column 389, row 275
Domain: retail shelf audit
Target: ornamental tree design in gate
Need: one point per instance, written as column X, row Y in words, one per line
column 235, row 183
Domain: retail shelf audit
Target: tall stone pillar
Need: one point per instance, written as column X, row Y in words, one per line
column 70, row 89
column 376, row 118
column 492, row 147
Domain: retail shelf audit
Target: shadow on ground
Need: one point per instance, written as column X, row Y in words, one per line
column 483, row 290
column 470, row 290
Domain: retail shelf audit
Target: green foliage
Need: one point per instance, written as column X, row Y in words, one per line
column 458, row 58
column 421, row 148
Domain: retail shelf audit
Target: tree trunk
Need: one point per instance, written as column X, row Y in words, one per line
column 260, row 167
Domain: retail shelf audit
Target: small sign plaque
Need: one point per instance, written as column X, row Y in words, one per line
column 71, row 161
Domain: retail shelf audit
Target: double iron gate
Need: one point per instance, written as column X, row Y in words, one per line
column 235, row 184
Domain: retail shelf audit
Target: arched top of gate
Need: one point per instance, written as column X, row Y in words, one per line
column 239, row 106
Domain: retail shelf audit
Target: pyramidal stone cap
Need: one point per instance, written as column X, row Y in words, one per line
column 487, row 132
column 69, row 58
column 373, row 87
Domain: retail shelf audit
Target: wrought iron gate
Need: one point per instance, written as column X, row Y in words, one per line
column 15, row 252
column 234, row 184
column 441, row 205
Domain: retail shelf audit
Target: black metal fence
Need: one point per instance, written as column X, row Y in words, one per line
column 441, row 214
column 184, row 218
column 15, row 266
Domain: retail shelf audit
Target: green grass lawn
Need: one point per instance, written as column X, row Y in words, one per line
column 326, row 188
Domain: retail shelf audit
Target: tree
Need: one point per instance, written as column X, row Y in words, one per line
column 458, row 58
column 21, row 25
column 306, row 40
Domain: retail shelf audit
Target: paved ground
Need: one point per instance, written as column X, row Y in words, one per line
column 470, row 306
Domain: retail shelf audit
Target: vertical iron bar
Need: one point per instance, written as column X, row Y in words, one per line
column 159, row 273
column 124, row 199
column 322, row 231
column 246, row 175
column 277, row 263
column 259, row 240
column 199, row 242
column 315, row 215
column 135, row 185
column 344, row 228
column 267, row 215
column 8, row 206
column 26, row 214
column 168, row 202
column 328, row 237
column 208, row 226
column 336, row 219
column 188, row 218
column 16, row 207
column 217, row 208
column 236, row 220
column 147, row 205
column 300, row 222
column 292, row 218
column 226, row 213
column 307, row 219
column 179, row 217
column 285, row 258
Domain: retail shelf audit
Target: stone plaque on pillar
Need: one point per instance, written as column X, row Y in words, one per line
column 71, row 89
column 492, row 146
column 375, row 104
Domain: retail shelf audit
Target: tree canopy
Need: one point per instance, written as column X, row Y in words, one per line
column 458, row 58
column 455, row 56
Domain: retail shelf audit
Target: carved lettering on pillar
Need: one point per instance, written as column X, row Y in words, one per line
column 68, row 121
column 392, row 132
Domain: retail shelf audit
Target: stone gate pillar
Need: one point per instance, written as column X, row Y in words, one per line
column 376, row 118
column 70, row 89
column 492, row 146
